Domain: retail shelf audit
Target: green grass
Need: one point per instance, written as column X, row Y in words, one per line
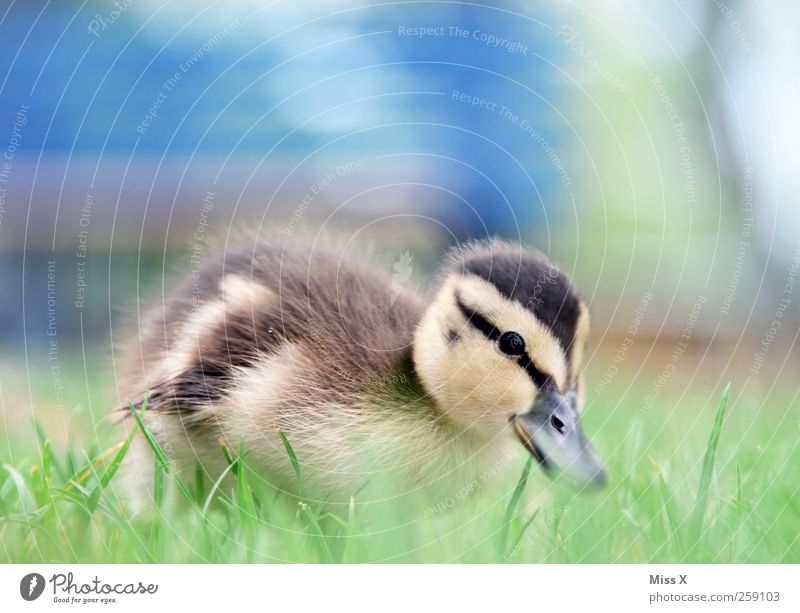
column 688, row 484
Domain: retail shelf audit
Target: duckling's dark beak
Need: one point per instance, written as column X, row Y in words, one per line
column 551, row 431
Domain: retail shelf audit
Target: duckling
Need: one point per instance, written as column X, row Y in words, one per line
column 365, row 379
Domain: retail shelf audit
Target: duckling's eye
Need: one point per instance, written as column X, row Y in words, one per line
column 511, row 343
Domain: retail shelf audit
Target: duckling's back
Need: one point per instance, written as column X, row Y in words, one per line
column 269, row 336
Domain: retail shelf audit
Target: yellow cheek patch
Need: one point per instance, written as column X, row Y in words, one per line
column 484, row 381
column 489, row 371
column 469, row 377
column 543, row 348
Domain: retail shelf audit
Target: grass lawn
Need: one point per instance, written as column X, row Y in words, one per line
column 675, row 495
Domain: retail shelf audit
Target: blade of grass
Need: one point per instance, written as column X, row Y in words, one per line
column 83, row 474
column 108, row 475
column 293, row 458
column 738, row 486
column 199, row 484
column 319, row 536
column 561, row 552
column 92, row 501
column 708, row 464
column 24, row 493
column 335, row 518
column 69, row 462
column 350, row 530
column 514, row 548
column 47, row 450
column 668, row 506
column 161, row 458
column 158, row 484
column 512, row 505
column 158, row 497
column 217, row 484
column 47, row 459
column 41, row 478
column 39, row 429
column 227, row 453
column 76, row 494
column 740, row 502
column 244, row 493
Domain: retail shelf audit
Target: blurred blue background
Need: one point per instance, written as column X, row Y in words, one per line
column 232, row 91
column 135, row 111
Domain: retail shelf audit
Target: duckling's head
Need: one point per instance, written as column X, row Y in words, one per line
column 503, row 341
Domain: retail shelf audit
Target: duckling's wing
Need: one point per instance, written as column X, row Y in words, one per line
column 346, row 319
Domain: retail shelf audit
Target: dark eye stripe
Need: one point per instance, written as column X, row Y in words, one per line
column 537, row 376
column 478, row 321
